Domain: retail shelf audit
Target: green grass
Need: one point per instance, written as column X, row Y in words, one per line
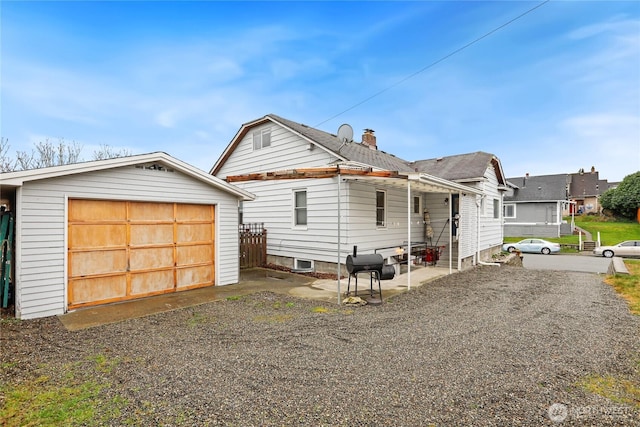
column 611, row 232
column 619, row 390
column 628, row 286
column 48, row 402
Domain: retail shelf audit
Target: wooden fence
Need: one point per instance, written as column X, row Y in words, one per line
column 253, row 245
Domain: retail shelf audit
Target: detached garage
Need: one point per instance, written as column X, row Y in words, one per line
column 119, row 229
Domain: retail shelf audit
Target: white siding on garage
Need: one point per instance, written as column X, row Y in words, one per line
column 287, row 151
column 42, row 226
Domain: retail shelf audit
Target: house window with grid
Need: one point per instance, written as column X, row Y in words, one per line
column 300, row 208
column 261, row 139
column 496, row 208
column 381, row 208
column 509, row 210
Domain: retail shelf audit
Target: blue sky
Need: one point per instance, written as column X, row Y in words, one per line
column 555, row 91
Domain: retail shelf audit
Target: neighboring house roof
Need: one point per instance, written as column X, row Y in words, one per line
column 586, row 184
column 538, row 188
column 16, row 179
column 460, row 168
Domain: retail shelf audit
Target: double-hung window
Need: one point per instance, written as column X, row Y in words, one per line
column 261, row 139
column 381, row 208
column 509, row 210
column 496, row 208
column 300, row 208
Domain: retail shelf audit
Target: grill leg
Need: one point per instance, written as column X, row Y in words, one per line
column 375, row 275
column 355, row 276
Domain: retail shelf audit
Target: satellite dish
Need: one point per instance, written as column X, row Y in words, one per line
column 345, row 133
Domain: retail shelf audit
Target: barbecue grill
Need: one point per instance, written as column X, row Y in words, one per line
column 372, row 264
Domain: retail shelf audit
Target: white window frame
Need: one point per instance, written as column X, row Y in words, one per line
column 496, row 208
column 505, row 208
column 295, row 208
column 384, row 209
column 259, row 138
column 298, row 261
column 416, row 209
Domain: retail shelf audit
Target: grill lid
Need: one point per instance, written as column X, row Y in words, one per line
column 368, row 262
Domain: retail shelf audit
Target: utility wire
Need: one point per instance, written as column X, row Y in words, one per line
column 433, row 64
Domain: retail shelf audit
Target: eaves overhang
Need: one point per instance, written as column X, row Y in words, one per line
column 18, row 178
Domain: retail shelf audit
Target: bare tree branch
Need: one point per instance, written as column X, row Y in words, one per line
column 108, row 152
column 7, row 164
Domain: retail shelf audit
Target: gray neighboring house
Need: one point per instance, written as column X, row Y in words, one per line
column 535, row 205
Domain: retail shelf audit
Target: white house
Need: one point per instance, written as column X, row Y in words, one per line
column 113, row 230
column 320, row 194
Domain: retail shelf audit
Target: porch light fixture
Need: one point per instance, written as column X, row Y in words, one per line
column 446, row 201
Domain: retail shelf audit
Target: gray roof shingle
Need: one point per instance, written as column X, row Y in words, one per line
column 471, row 166
column 462, row 167
column 538, row 188
column 353, row 151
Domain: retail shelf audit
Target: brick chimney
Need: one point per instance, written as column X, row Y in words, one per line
column 369, row 139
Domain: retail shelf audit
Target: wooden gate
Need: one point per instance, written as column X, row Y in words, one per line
column 253, row 245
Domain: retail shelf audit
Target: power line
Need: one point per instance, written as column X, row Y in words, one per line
column 433, row 64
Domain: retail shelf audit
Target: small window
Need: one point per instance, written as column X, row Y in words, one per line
column 261, row 139
column 381, row 212
column 416, row 205
column 496, row 208
column 300, row 207
column 509, row 211
column 303, row 264
column 240, row 211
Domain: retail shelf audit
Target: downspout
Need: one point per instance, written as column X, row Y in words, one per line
column 478, row 235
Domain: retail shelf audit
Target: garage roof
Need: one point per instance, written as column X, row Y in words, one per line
column 16, row 179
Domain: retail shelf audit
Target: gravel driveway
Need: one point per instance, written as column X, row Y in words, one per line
column 489, row 346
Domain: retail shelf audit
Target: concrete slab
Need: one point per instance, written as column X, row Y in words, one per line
column 251, row 281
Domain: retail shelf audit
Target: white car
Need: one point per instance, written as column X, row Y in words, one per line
column 534, row 246
column 629, row 248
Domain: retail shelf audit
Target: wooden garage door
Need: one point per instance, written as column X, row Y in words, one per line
column 122, row 250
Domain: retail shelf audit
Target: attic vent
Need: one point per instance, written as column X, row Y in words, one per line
column 154, row 167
